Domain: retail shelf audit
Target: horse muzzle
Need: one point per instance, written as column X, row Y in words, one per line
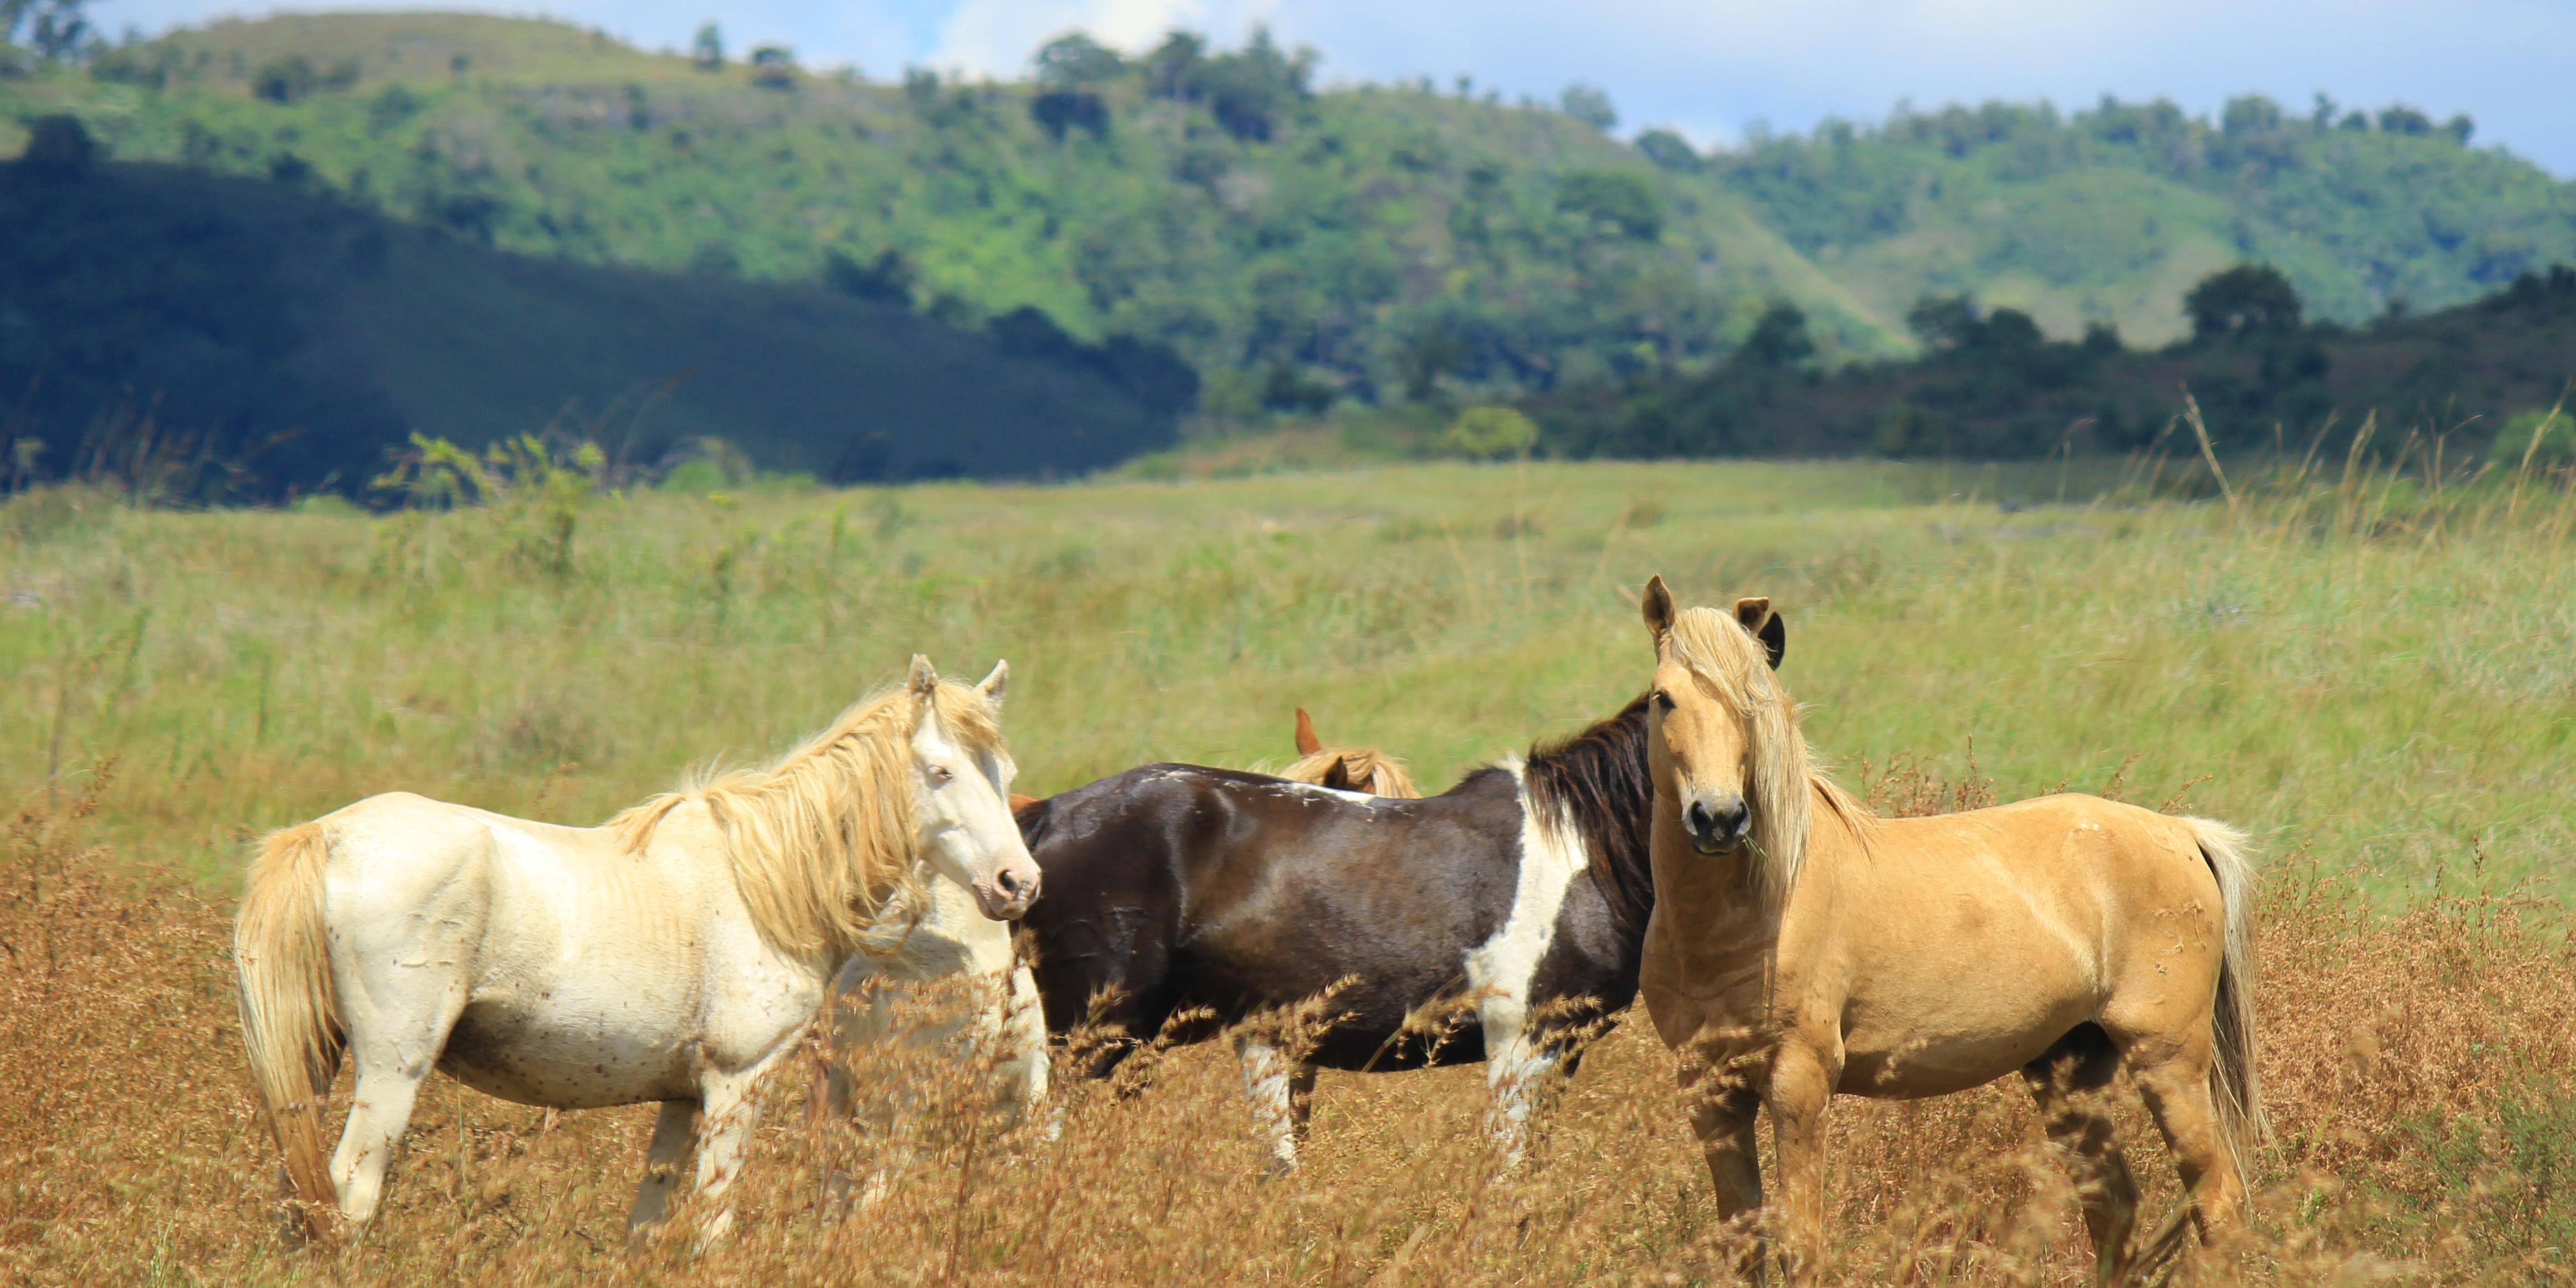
column 1009, row 893
column 1716, row 828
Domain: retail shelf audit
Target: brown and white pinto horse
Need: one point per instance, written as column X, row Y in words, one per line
column 1519, row 895
column 1801, row 946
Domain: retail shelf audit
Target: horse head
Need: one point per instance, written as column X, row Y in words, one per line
column 962, row 787
column 1728, row 762
column 1352, row 769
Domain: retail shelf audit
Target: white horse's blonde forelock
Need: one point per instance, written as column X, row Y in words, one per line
column 1785, row 786
column 822, row 838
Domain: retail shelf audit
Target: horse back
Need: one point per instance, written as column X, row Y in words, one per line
column 1174, row 886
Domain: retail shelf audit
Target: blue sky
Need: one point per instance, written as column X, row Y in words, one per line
column 1716, row 68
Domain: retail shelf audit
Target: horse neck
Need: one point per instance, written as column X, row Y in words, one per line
column 1709, row 909
column 1598, row 784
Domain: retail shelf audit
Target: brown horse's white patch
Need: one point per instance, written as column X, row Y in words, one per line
column 1500, row 969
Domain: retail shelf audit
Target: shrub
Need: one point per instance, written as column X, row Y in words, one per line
column 1484, row 433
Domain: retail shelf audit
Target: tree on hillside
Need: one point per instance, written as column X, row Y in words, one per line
column 1669, row 150
column 1588, row 104
column 773, row 66
column 1168, row 68
column 1612, row 197
column 58, row 147
column 706, row 49
column 284, row 80
column 2249, row 299
column 1075, row 61
column 55, row 29
column 1249, row 90
column 887, row 280
column 1059, row 110
column 1779, row 340
column 1945, row 323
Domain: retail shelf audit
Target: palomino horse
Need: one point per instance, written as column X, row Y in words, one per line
column 673, row 954
column 1801, row 946
column 1521, row 893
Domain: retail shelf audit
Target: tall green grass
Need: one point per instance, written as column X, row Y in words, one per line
column 2378, row 676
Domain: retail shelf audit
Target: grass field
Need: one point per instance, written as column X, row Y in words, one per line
column 2375, row 676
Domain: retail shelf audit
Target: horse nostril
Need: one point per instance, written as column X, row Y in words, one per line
column 1697, row 819
column 1731, row 821
column 1009, row 881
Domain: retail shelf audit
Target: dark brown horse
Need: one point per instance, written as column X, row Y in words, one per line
column 1519, row 896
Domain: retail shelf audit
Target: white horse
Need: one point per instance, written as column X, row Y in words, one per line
column 674, row 954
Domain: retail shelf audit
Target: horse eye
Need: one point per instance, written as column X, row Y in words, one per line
column 940, row 774
column 1663, row 700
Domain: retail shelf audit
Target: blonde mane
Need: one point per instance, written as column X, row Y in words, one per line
column 1384, row 773
column 823, row 837
column 1785, row 786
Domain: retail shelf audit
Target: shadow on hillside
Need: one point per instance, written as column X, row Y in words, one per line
column 252, row 339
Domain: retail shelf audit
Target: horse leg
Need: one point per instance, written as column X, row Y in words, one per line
column 1802, row 1084
column 378, row 1116
column 673, row 1128
column 2174, row 1077
column 1301, row 1098
column 1024, row 1039
column 1724, row 1119
column 1269, row 1082
column 2067, row 1082
column 1517, row 1064
column 398, row 1018
column 727, row 1115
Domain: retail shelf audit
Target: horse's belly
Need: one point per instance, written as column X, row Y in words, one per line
column 1934, row 1053
column 566, row 1061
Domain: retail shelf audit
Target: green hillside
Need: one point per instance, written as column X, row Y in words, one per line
column 215, row 336
column 1302, row 249
column 1372, row 240
column 2111, row 214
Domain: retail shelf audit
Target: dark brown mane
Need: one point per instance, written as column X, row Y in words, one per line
column 1598, row 780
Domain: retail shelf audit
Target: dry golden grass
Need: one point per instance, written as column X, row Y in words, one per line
column 2413, row 1066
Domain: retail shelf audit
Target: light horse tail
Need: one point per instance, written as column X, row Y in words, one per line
column 289, row 1009
column 2235, row 1087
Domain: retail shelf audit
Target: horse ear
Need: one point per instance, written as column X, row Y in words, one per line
column 1657, row 604
column 1775, row 639
column 993, row 686
column 1752, row 610
column 924, row 680
column 1337, row 775
column 1307, row 743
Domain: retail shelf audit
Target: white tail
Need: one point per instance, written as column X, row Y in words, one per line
column 2235, row 1086
column 289, row 1011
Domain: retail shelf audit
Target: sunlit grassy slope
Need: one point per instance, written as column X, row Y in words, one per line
column 2371, row 680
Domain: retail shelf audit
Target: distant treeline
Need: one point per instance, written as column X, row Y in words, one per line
column 1991, row 386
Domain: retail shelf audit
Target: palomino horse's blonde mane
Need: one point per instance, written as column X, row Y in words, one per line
column 1784, row 787
column 820, row 839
